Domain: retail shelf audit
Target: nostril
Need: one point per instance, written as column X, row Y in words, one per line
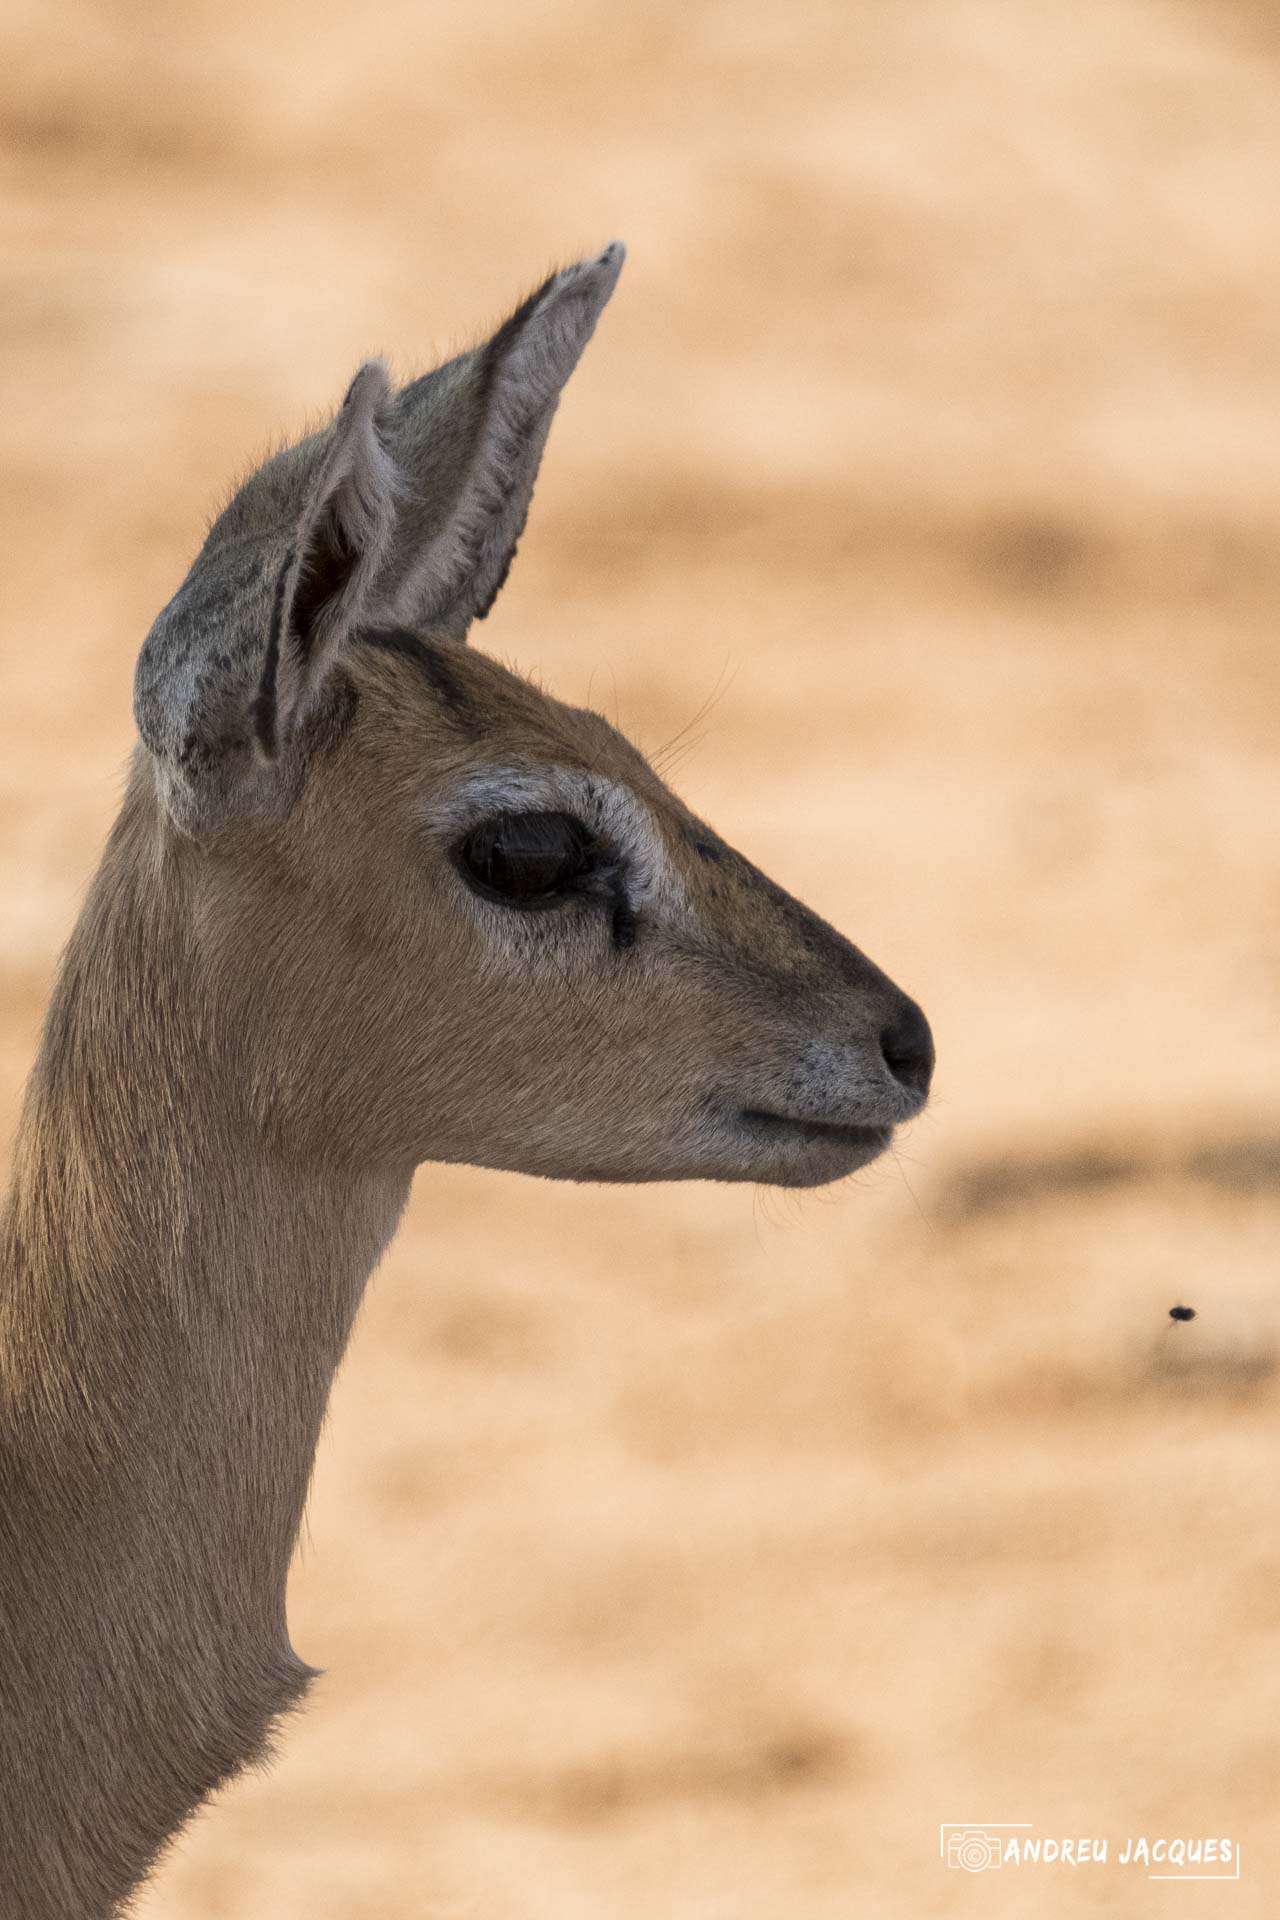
column 907, row 1046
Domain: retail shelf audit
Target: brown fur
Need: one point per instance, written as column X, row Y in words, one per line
column 280, row 998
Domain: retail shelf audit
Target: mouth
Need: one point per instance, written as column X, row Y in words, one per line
column 856, row 1146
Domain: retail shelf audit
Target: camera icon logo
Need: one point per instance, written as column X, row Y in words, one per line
column 973, row 1850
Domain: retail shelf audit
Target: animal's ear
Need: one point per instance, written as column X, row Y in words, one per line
column 469, row 438
column 326, row 582
column 234, row 662
column 405, row 509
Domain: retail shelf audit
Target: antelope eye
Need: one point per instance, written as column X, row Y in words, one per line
column 525, row 859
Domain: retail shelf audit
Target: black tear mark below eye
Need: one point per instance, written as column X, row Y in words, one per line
column 624, row 918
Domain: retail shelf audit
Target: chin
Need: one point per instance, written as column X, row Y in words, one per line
column 759, row 1149
column 804, row 1153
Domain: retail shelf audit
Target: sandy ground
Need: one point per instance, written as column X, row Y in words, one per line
column 682, row 1552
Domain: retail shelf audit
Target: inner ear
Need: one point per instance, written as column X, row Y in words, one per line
column 324, row 572
column 327, row 584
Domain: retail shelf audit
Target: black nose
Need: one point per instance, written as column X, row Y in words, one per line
column 907, row 1046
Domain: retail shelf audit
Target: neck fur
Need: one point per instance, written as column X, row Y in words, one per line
column 174, row 1300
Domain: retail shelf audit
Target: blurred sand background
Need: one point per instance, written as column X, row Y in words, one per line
column 682, row 1552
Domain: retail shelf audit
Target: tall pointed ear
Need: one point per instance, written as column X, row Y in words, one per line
column 326, row 583
column 233, row 663
column 469, row 439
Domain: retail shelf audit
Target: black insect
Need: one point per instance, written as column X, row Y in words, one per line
column 1182, row 1313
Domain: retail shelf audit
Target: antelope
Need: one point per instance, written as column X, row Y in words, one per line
column 371, row 900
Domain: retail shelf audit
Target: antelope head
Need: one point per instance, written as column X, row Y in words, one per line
column 437, row 914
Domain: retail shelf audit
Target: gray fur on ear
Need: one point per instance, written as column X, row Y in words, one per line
column 470, row 437
column 405, row 510
column 344, row 534
column 231, row 664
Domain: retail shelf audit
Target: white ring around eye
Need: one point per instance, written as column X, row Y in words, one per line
column 608, row 809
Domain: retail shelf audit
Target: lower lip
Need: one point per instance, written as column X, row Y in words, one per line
column 816, row 1133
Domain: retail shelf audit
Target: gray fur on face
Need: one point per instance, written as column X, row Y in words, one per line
column 406, row 509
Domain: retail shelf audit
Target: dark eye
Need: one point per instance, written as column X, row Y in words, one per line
column 526, row 859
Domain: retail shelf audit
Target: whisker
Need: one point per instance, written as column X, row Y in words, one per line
column 897, row 1159
column 716, row 694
